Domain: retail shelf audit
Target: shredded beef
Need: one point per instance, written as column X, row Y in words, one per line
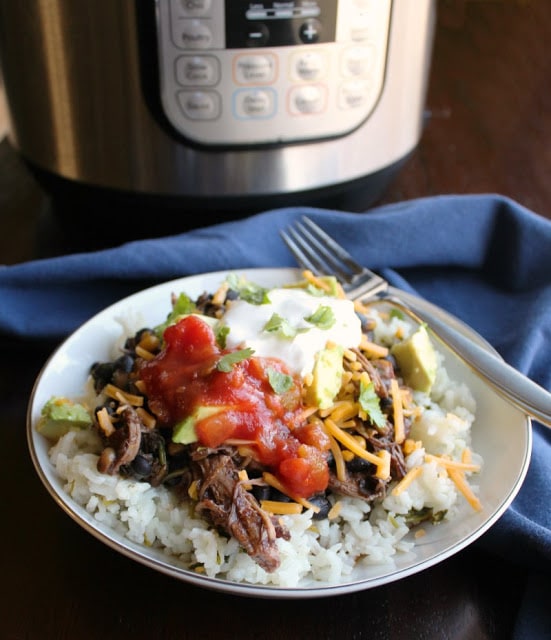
column 224, row 501
column 380, row 372
column 123, row 445
column 397, row 461
column 358, row 485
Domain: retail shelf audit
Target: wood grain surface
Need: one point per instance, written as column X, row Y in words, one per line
column 488, row 127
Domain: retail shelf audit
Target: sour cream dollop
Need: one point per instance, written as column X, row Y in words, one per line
column 247, row 327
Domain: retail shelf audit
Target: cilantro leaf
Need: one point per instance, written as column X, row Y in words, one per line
column 396, row 313
column 248, row 291
column 221, row 333
column 323, row 317
column 331, row 290
column 183, row 306
column 227, row 361
column 278, row 324
column 370, row 403
column 280, row 382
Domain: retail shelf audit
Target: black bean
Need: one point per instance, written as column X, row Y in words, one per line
column 124, row 363
column 232, row 294
column 321, row 501
column 173, row 480
column 141, row 466
column 102, row 372
column 111, row 407
column 278, row 496
column 261, row 493
column 131, row 343
column 359, row 464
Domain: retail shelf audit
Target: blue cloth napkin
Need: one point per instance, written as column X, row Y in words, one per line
column 485, row 258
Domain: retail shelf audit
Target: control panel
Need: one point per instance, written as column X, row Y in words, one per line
column 235, row 72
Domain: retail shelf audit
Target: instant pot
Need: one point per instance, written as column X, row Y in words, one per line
column 214, row 108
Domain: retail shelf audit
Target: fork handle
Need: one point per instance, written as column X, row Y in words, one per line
column 515, row 387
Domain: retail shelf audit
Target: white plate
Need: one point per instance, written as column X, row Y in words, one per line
column 501, row 434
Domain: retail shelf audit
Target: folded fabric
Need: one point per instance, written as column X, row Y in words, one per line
column 484, row 258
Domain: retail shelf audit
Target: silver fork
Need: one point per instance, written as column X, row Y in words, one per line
column 315, row 250
column 318, row 252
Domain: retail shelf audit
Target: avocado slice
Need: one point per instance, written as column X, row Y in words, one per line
column 59, row 415
column 327, row 376
column 416, row 359
column 184, row 431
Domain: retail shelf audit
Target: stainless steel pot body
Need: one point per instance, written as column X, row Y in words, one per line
column 84, row 97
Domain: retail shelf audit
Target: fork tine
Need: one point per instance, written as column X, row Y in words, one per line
column 313, row 249
column 328, row 247
column 300, row 256
column 313, row 255
column 317, row 251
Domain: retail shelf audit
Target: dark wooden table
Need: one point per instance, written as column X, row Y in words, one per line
column 489, row 105
column 488, row 130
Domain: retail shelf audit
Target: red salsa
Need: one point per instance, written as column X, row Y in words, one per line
column 247, row 409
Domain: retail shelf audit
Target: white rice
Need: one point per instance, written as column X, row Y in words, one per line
column 325, row 551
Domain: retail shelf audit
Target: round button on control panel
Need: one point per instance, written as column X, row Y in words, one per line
column 197, row 71
column 310, row 31
column 199, row 105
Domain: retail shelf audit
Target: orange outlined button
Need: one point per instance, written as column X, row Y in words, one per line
column 255, row 68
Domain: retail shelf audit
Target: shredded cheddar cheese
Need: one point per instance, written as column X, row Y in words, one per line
column 143, row 353
column 410, row 445
column 147, row 419
column 406, row 481
column 244, row 478
column 349, row 441
column 140, row 386
column 122, row 396
column 350, row 355
column 383, row 469
column 104, row 421
column 317, row 282
column 448, row 463
column 281, row 508
column 461, row 483
column 338, row 455
column 347, row 455
column 380, row 459
column 372, row 349
column 397, row 409
column 220, row 294
column 343, row 411
column 335, row 510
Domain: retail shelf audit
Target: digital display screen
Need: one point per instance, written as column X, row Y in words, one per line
column 279, row 24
